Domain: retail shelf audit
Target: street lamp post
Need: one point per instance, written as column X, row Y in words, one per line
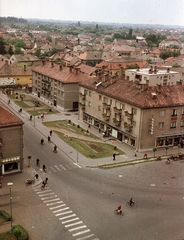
column 10, row 184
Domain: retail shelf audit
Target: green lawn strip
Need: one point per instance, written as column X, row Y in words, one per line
column 127, row 163
column 37, row 112
column 22, row 104
column 69, row 126
column 7, row 236
column 89, row 149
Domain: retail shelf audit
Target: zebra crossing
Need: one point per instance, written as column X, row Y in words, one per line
column 67, row 217
column 62, row 167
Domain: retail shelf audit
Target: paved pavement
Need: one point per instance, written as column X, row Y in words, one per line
column 28, row 172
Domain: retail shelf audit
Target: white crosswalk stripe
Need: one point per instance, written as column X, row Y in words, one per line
column 69, row 219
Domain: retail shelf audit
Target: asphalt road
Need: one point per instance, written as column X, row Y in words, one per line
column 92, row 195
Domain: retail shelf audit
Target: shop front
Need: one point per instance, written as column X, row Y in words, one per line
column 10, row 165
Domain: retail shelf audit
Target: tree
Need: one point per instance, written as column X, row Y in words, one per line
column 10, row 50
column 179, row 146
column 154, row 150
column 166, row 149
column 49, row 38
column 17, row 232
column 2, row 46
column 38, row 52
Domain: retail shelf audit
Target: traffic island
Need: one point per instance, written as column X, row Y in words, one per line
column 130, row 162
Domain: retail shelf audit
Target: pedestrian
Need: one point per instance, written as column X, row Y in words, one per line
column 43, row 184
column 37, row 162
column 89, row 125
column 36, row 176
column 48, row 139
column 46, row 180
column 114, row 156
column 50, row 132
column 145, row 155
column 55, row 149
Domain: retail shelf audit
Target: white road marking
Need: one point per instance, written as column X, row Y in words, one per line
column 71, row 220
column 77, row 165
column 54, row 170
column 50, row 204
column 62, row 167
column 48, row 197
column 52, row 200
column 73, row 215
column 74, row 229
column 57, row 168
column 62, row 205
column 83, row 238
column 79, row 233
column 73, row 224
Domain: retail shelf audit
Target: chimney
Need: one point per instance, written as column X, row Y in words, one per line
column 106, row 77
column 77, row 70
column 52, row 64
column 168, row 70
column 60, row 67
column 24, row 68
column 159, row 88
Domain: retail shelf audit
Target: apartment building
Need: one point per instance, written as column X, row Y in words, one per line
column 11, row 142
column 144, row 110
column 57, row 84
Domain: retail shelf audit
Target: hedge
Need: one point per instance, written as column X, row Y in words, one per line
column 5, row 215
column 23, row 233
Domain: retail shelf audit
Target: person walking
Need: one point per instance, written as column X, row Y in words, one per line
column 114, row 156
column 50, row 132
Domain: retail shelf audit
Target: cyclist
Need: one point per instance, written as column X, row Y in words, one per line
column 37, row 162
column 119, row 209
column 55, row 149
column 131, row 202
column 42, row 141
column 44, row 168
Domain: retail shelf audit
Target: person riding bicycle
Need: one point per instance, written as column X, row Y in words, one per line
column 131, row 202
column 55, row 148
column 48, row 139
column 42, row 141
column 37, row 162
column 119, row 209
column 44, row 168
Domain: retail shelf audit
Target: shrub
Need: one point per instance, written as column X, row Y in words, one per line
column 5, row 215
column 69, row 121
column 20, row 232
column 115, row 148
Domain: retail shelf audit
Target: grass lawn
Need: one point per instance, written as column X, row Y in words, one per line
column 89, row 148
column 7, row 236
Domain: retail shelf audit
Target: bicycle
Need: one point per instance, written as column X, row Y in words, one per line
column 118, row 213
column 133, row 205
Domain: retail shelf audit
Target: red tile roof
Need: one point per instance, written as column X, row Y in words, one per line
column 126, row 91
column 7, row 118
column 64, row 74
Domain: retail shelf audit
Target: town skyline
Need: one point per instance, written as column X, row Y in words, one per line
column 121, row 11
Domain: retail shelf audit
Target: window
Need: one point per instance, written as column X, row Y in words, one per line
column 134, row 110
column 122, row 106
column 161, row 125
column 182, row 123
column 100, row 97
column 89, row 103
column 182, row 111
column 162, row 113
column 90, row 93
column 173, row 124
column 99, row 108
column 174, row 112
column 105, row 100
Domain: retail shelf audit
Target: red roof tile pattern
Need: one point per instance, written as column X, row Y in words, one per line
column 61, row 73
column 128, row 92
column 7, row 118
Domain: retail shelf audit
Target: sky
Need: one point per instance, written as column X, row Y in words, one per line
column 166, row 12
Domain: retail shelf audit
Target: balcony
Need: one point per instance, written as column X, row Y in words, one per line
column 106, row 116
column 128, row 127
column 106, row 106
column 117, row 122
column 46, row 81
column 117, row 110
column 82, row 105
column 129, row 115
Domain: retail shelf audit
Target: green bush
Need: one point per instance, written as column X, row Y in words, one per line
column 20, row 232
column 5, row 215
